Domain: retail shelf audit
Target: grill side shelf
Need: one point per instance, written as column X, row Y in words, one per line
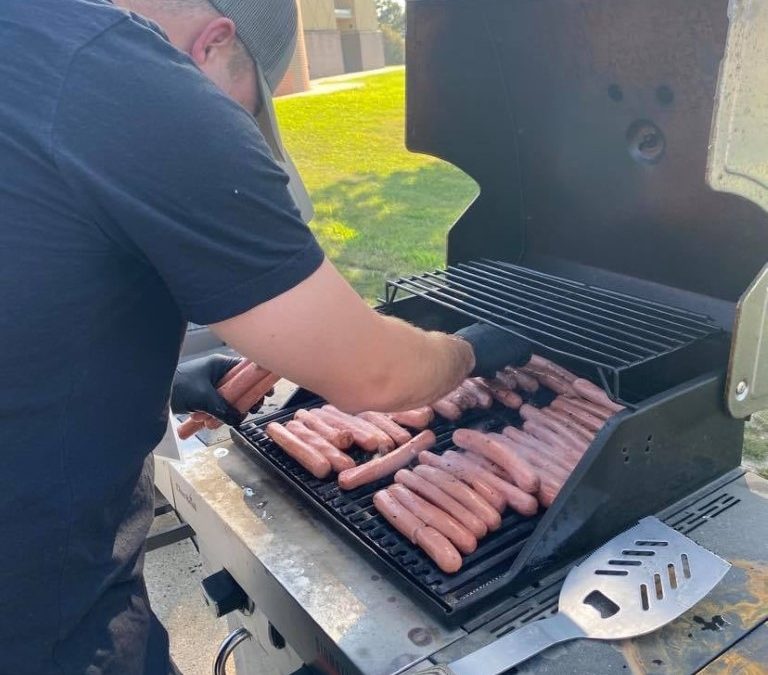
column 353, row 512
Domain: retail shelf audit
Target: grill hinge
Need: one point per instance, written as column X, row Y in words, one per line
column 747, row 387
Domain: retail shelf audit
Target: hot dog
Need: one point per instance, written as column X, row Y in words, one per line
column 582, row 416
column 339, row 438
column 256, row 393
column 574, row 439
column 456, row 533
column 570, row 422
column 312, row 460
column 524, row 380
column 443, row 501
column 481, row 392
column 518, row 437
column 462, row 493
column 241, row 382
column 522, row 502
column 447, row 409
column 508, row 398
column 542, row 461
column 468, row 392
column 363, row 439
column 384, row 442
column 239, row 385
column 493, row 468
column 496, row 500
column 233, row 371
column 399, row 435
column 418, row 418
column 545, row 434
column 541, row 364
column 461, row 398
column 506, row 380
column 556, row 384
column 386, row 465
column 437, row 547
column 593, row 393
column 591, row 408
column 515, row 466
column 546, row 482
column 339, row 461
column 551, row 480
column 434, row 544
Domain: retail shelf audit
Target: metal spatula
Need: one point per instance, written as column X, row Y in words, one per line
column 636, row 583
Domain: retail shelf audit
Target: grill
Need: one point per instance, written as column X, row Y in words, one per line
column 595, row 236
column 618, row 467
column 354, row 512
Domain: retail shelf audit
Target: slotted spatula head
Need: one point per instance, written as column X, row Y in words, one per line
column 638, row 582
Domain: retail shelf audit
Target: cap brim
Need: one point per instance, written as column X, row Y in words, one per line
column 267, row 121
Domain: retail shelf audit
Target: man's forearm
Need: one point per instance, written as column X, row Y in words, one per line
column 419, row 367
column 321, row 335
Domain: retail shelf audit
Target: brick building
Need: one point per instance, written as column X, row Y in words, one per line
column 335, row 37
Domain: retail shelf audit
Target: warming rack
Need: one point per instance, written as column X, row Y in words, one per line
column 596, row 327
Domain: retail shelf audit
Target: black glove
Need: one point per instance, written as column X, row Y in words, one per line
column 494, row 348
column 194, row 388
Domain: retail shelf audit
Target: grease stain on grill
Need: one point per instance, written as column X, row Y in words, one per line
column 421, row 637
column 716, row 623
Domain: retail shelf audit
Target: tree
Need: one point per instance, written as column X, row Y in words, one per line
column 390, row 13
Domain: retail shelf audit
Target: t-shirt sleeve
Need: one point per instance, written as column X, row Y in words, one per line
column 172, row 171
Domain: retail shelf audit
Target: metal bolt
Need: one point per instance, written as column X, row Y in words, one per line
column 742, row 389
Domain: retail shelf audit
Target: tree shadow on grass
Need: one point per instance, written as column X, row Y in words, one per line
column 375, row 227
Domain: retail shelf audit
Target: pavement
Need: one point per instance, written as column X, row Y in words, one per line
column 330, row 85
column 173, row 575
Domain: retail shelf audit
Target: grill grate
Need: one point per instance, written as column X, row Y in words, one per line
column 354, row 511
column 598, row 327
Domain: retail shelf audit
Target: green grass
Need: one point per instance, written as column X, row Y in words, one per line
column 380, row 211
column 756, row 443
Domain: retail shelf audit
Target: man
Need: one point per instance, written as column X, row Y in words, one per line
column 136, row 194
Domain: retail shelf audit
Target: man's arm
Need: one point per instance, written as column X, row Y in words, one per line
column 321, row 335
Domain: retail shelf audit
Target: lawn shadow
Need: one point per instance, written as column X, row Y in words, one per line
column 375, row 227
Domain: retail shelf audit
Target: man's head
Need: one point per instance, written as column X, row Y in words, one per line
column 226, row 38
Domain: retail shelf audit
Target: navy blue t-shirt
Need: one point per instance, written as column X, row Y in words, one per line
column 134, row 197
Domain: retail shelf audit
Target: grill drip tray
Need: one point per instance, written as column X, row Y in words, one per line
column 355, row 513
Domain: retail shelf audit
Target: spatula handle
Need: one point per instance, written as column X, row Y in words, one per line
column 517, row 646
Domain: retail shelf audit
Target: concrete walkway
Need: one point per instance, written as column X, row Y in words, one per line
column 173, row 576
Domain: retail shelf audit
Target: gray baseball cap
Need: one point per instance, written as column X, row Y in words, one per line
column 267, row 28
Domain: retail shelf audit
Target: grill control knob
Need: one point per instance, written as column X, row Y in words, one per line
column 223, row 594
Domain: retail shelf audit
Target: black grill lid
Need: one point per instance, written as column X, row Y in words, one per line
column 586, row 126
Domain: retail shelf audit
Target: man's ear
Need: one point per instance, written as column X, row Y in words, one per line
column 218, row 34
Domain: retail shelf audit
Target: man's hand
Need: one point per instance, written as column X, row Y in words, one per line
column 494, row 348
column 194, row 388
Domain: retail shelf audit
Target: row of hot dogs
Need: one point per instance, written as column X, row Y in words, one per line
column 244, row 386
column 449, row 501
